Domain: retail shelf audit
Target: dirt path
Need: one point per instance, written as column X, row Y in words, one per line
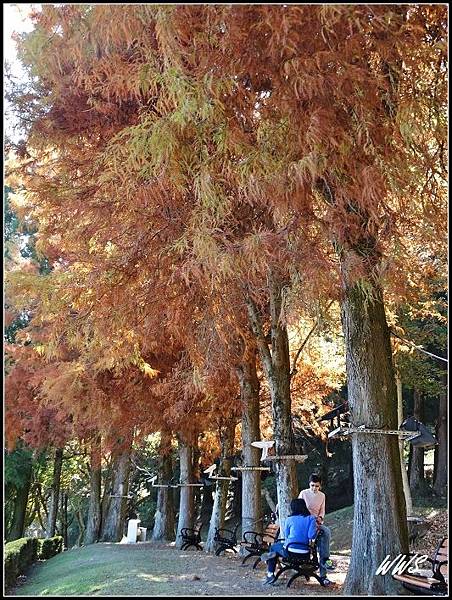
column 148, row 569
column 225, row 576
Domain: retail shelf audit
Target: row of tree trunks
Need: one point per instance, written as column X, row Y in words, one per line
column 380, row 526
column 186, row 502
column 217, row 519
column 164, row 515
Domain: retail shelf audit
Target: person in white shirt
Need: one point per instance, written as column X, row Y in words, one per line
column 315, row 501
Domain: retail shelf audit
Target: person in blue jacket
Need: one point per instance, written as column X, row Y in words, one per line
column 299, row 528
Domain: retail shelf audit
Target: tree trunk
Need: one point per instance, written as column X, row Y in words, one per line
column 221, row 492
column 406, row 484
column 380, row 526
column 20, row 504
column 235, row 506
column 55, row 494
column 82, row 528
column 251, row 480
column 269, row 500
column 164, row 514
column 113, row 526
column 94, row 508
column 206, row 504
column 64, row 519
column 440, row 484
column 417, row 479
column 186, row 502
column 277, row 371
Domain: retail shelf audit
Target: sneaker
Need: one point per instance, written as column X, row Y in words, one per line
column 325, row 582
column 268, row 555
column 269, row 579
column 329, row 565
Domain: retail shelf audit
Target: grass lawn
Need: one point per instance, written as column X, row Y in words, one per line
column 150, row 570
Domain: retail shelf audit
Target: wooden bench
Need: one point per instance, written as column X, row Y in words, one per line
column 191, row 537
column 303, row 562
column 256, row 543
column 434, row 584
column 226, row 539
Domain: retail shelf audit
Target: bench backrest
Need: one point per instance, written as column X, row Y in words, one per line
column 441, row 555
column 270, row 533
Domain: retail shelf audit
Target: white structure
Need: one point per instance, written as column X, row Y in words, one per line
column 210, row 470
column 132, row 531
column 264, row 446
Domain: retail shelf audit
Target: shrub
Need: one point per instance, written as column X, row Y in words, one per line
column 19, row 554
column 48, row 547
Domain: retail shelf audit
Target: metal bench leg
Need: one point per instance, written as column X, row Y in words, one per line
column 281, row 571
column 257, row 561
column 297, row 574
column 247, row 557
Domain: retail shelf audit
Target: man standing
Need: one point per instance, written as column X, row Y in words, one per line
column 315, row 501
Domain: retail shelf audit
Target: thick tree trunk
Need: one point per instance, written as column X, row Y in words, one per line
column 187, row 497
column 251, row 480
column 164, row 522
column 221, row 493
column 20, row 504
column 417, row 479
column 406, row 484
column 113, row 526
column 55, row 493
column 286, row 475
column 277, row 371
column 440, row 484
column 94, row 508
column 380, row 526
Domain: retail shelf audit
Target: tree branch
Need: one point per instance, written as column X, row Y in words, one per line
column 300, row 349
column 256, row 326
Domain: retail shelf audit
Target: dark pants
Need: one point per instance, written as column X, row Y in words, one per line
column 323, row 546
column 277, row 547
